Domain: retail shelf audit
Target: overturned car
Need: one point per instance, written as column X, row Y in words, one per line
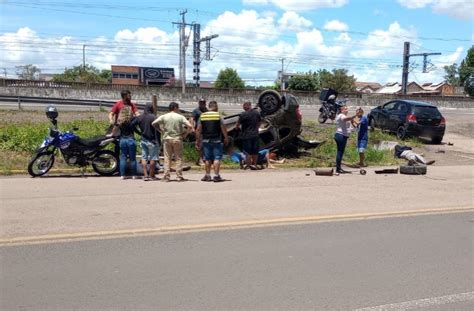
column 281, row 124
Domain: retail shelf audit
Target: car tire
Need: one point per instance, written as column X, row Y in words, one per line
column 436, row 140
column 419, row 169
column 372, row 124
column 269, row 101
column 401, row 132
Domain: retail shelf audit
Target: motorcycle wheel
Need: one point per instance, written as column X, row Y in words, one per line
column 105, row 163
column 41, row 163
column 322, row 117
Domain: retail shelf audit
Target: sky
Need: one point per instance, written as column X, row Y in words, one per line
column 365, row 37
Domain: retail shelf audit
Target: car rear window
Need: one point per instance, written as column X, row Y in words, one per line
column 423, row 111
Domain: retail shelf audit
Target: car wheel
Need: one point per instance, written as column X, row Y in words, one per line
column 436, row 140
column 372, row 124
column 401, row 132
column 413, row 169
column 269, row 101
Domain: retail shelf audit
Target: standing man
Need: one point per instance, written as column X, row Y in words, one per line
column 249, row 123
column 119, row 105
column 362, row 136
column 174, row 128
column 195, row 120
column 209, row 132
column 150, row 141
column 197, row 111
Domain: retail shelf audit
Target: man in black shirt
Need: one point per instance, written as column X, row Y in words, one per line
column 150, row 141
column 249, row 123
column 196, row 114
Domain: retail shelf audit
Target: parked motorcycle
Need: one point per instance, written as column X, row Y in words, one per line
column 75, row 150
column 330, row 106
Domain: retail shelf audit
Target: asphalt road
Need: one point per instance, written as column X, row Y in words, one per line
column 420, row 262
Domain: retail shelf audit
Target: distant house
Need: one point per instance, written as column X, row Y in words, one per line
column 429, row 88
column 46, row 77
column 206, row 84
column 367, row 87
column 443, row 88
column 396, row 88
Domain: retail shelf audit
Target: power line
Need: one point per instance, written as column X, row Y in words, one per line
column 244, row 31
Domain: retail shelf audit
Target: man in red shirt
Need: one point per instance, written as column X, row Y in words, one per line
column 126, row 101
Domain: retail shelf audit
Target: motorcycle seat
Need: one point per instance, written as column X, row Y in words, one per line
column 91, row 142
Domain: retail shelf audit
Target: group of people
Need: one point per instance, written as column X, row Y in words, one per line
column 207, row 124
column 172, row 128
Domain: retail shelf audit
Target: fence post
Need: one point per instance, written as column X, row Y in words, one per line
column 154, row 100
column 19, row 103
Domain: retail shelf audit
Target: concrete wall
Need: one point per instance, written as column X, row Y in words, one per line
column 167, row 94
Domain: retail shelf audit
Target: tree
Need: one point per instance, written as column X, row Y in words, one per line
column 88, row 74
column 28, row 72
column 338, row 79
column 304, row 82
column 452, row 74
column 229, row 79
column 466, row 72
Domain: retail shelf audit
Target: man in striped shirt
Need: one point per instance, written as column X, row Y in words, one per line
column 209, row 132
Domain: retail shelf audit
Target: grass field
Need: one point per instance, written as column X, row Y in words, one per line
column 21, row 132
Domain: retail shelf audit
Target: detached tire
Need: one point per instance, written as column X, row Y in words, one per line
column 413, row 169
column 269, row 101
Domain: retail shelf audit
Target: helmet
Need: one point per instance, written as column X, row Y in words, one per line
column 51, row 112
column 332, row 97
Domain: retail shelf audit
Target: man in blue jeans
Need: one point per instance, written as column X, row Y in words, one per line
column 209, row 134
column 362, row 136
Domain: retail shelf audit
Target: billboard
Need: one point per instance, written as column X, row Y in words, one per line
column 152, row 75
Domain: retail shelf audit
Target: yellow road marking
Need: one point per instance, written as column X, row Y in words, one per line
column 95, row 235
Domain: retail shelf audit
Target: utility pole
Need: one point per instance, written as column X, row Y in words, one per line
column 197, row 51
column 282, row 86
column 406, row 64
column 183, row 44
column 5, row 72
column 84, row 58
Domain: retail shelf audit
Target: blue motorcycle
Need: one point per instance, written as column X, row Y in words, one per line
column 75, row 151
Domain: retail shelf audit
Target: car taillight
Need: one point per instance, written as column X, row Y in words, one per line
column 411, row 118
column 442, row 122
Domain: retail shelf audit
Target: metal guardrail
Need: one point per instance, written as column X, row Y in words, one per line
column 66, row 102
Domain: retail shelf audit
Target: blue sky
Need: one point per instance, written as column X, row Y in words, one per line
column 365, row 37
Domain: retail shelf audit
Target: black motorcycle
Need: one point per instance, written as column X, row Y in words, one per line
column 330, row 106
column 75, row 150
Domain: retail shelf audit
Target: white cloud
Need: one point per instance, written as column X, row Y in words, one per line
column 336, row 25
column 292, row 21
column 255, row 2
column 461, row 9
column 244, row 28
column 385, row 42
column 299, row 5
column 415, row 4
